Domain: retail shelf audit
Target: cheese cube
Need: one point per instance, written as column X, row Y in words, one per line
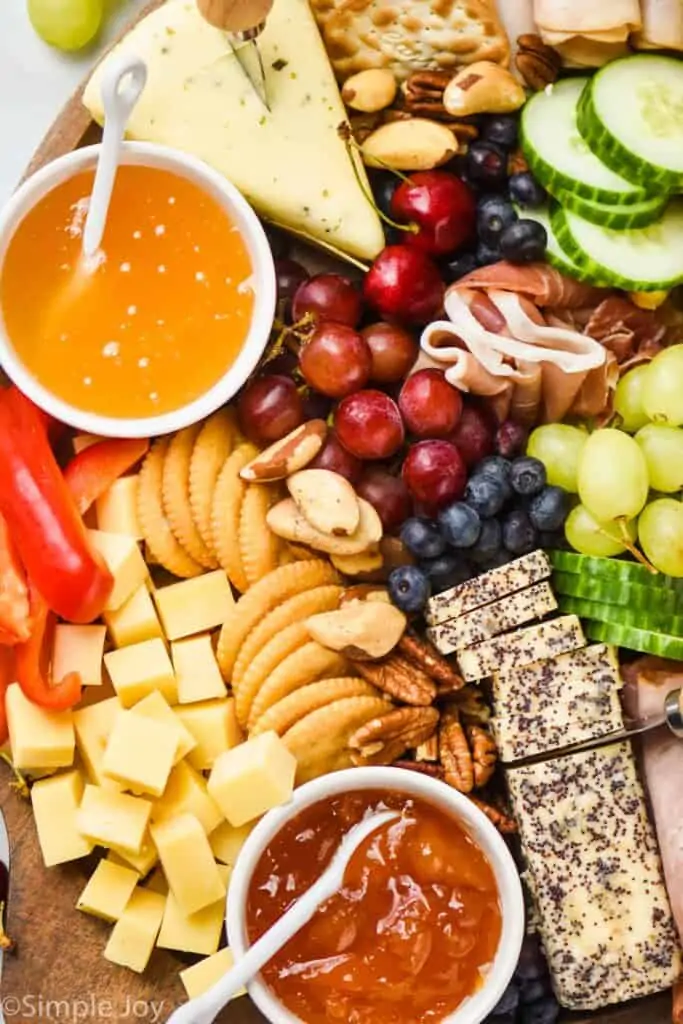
column 92, row 725
column 226, row 841
column 197, row 673
column 142, row 862
column 186, row 793
column 192, row 873
column 124, row 560
column 55, row 805
column 117, row 508
column 113, row 819
column 134, row 934
column 203, row 975
column 252, row 778
column 140, row 753
column 38, row 738
column 155, row 707
column 214, row 726
column 138, row 670
column 108, row 890
column 194, row 933
column 82, row 441
column 195, row 605
column 136, row 620
column 78, row 649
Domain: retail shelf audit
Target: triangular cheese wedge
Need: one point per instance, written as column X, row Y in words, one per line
column 289, row 163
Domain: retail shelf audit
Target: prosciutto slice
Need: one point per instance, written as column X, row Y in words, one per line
column 539, row 282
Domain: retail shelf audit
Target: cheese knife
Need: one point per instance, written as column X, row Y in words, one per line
column 671, row 715
column 4, row 890
column 242, row 21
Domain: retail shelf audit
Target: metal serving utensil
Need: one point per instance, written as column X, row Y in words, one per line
column 4, row 891
column 242, row 21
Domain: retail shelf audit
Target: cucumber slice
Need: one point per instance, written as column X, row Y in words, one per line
column 652, row 621
column 619, row 218
column 554, row 254
column 631, row 116
column 635, row 596
column 639, row 260
column 616, row 569
column 557, row 154
column 644, row 640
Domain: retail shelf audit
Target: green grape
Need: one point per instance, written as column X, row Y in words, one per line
column 663, row 387
column 589, row 537
column 613, row 480
column 663, row 450
column 628, row 400
column 660, row 532
column 66, row 24
column 558, row 447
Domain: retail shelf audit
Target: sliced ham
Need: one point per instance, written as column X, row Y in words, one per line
column 539, row 282
column 616, row 316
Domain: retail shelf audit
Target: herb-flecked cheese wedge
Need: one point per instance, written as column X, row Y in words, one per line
column 290, row 163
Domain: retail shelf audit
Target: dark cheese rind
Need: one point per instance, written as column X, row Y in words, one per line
column 483, row 623
column 534, row 643
column 583, row 717
column 595, row 874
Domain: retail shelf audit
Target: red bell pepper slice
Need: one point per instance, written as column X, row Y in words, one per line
column 96, row 468
column 32, row 663
column 43, row 519
column 15, row 616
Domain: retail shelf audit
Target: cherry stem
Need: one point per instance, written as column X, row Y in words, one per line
column 630, row 546
column 354, row 150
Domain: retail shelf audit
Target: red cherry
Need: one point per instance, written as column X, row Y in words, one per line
column 269, row 408
column 393, row 349
column 404, row 283
column 430, row 406
column 388, row 494
column 473, row 436
column 441, row 206
column 336, row 360
column 328, row 297
column 334, row 456
column 369, row 425
column 435, row 473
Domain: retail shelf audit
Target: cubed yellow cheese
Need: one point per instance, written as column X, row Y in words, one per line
column 79, row 649
column 226, row 841
column 191, row 872
column 135, row 621
column 133, row 936
column 92, row 725
column 108, row 890
column 155, row 707
column 142, row 862
column 113, row 819
column 197, row 673
column 195, row 605
column 124, row 560
column 203, row 975
column 55, row 806
column 38, row 738
column 252, row 778
column 117, row 508
column 214, row 726
column 138, row 670
column 82, row 441
column 194, row 933
column 186, row 793
column 140, row 753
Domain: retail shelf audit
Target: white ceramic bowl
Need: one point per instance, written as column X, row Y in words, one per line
column 476, row 1007
column 215, row 185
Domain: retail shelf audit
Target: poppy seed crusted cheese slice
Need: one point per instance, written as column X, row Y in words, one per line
column 534, row 643
column 493, row 619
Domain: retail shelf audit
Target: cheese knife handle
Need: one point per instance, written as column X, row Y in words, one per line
column 235, row 16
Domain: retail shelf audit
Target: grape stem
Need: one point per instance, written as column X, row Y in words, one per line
column 355, row 151
column 630, row 546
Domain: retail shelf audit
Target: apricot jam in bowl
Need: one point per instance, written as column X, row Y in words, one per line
column 164, row 323
column 428, row 925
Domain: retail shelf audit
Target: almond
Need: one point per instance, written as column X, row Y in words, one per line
column 483, row 88
column 370, row 90
column 285, row 520
column 326, row 499
column 362, row 630
column 413, row 145
column 354, row 565
column 365, row 592
column 288, row 455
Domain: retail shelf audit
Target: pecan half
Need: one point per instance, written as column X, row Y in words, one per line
column 422, row 96
column 538, row 64
column 484, row 754
column 471, row 703
column 429, row 750
column 454, row 752
column 426, row 656
column 399, row 678
column 503, row 822
column 383, row 739
column 435, row 771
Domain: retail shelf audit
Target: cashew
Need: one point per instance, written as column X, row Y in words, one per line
column 354, row 565
column 285, row 520
column 483, row 88
column 326, row 499
column 369, row 91
column 413, row 145
column 363, row 630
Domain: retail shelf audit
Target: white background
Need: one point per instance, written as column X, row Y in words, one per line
column 35, row 82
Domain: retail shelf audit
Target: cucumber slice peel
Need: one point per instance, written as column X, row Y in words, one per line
column 644, row 640
column 635, row 596
column 651, row 621
column 616, row 217
column 616, row 569
column 554, row 254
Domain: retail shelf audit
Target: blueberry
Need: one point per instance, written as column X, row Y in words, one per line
column 552, row 540
column 502, row 130
column 487, row 164
column 519, row 533
column 485, row 494
column 509, row 1001
column 409, row 588
column 485, row 255
column 501, row 557
column 534, row 989
column 494, row 215
column 489, row 543
column 524, row 242
column 383, row 187
column 460, row 525
column 422, row 537
column 527, row 476
column 445, row 572
column 456, row 267
column 532, row 963
column 545, row 1011
column 498, row 469
column 549, row 509
column 502, row 1018
column 526, row 191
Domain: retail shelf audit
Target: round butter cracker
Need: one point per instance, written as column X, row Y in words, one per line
column 176, row 496
column 217, row 437
column 302, row 666
column 156, row 530
column 283, row 715
column 319, row 740
column 228, row 496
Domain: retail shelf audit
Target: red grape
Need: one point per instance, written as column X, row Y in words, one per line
column 289, row 275
column 388, row 494
column 473, row 436
column 328, row 297
column 511, row 439
column 269, row 408
column 435, row 473
column 369, row 424
column 334, row 456
column 394, row 350
column 336, row 360
column 430, row 406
